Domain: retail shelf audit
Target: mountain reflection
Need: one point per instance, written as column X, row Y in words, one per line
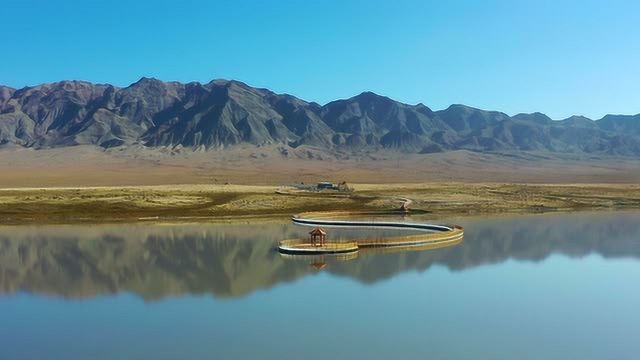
column 230, row 260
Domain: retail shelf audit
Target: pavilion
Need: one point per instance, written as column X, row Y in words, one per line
column 317, row 236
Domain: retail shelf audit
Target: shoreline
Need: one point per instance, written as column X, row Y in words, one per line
column 240, row 203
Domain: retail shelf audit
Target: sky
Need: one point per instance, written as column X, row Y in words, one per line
column 558, row 57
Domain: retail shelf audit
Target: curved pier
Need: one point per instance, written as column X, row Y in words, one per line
column 372, row 224
column 433, row 236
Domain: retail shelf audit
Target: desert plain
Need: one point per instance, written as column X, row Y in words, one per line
column 96, row 185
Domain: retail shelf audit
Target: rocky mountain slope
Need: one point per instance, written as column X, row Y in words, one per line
column 224, row 113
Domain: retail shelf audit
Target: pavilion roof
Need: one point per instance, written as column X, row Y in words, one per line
column 317, row 231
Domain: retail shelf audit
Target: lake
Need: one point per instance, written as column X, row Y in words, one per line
column 552, row 286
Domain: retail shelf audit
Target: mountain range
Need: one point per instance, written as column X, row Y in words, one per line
column 223, row 113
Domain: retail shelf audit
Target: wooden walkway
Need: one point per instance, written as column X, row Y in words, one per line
column 432, row 235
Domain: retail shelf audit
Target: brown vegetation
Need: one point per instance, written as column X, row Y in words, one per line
column 189, row 202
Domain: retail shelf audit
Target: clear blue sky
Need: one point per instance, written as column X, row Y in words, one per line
column 558, row 57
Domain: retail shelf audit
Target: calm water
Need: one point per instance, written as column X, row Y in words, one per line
column 526, row 287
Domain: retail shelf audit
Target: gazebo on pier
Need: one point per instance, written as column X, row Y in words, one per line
column 317, row 236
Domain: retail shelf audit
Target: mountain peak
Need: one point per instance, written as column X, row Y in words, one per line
column 578, row 121
column 6, row 92
column 145, row 79
column 460, row 107
column 578, row 118
column 537, row 117
column 369, row 96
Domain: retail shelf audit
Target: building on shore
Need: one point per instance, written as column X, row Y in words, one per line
column 325, row 185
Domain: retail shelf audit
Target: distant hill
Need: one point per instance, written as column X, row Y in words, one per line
column 222, row 113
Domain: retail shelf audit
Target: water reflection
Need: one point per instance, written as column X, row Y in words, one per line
column 230, row 260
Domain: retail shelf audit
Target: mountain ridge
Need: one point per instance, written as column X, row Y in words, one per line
column 223, row 113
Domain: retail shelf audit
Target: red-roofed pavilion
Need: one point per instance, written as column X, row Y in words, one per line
column 317, row 236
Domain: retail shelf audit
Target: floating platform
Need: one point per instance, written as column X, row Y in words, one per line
column 304, row 247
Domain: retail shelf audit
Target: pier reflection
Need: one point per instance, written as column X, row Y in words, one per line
column 231, row 260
